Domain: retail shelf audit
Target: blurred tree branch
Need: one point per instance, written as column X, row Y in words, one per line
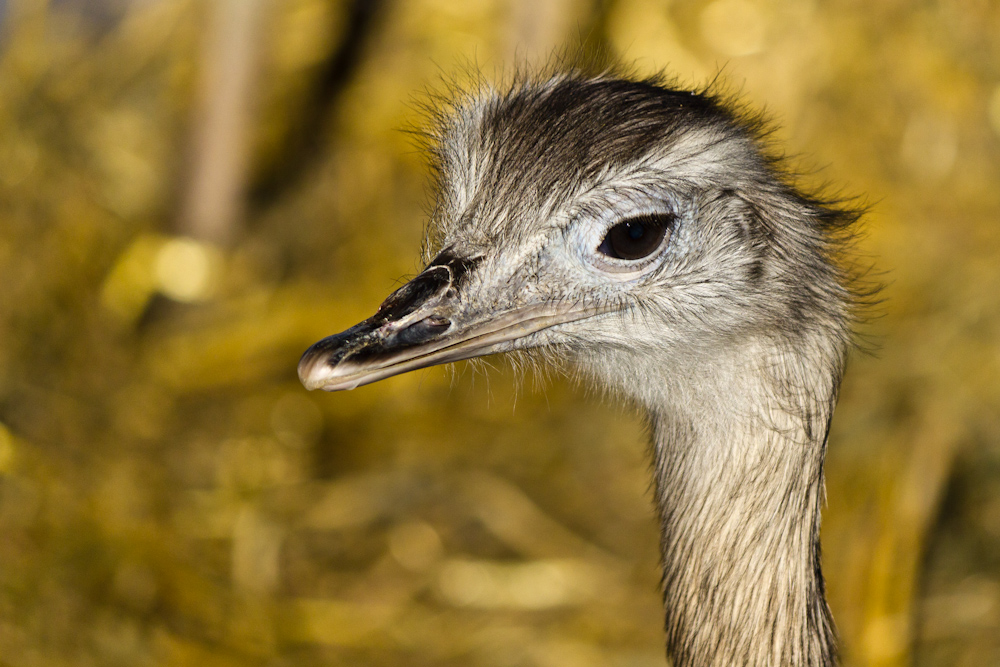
column 305, row 139
column 212, row 202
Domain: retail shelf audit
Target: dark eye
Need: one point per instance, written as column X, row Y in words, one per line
column 637, row 237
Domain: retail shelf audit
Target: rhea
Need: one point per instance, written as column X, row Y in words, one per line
column 644, row 238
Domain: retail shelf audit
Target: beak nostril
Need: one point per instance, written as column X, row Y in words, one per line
column 423, row 330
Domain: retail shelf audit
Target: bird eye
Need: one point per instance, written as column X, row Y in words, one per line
column 637, row 237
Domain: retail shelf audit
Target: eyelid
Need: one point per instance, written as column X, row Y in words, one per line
column 659, row 226
column 626, row 269
column 590, row 220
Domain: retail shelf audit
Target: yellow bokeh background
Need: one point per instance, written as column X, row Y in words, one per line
column 191, row 193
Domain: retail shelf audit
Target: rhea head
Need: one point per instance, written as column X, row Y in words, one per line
column 626, row 227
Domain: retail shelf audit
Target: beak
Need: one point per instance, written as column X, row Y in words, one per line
column 422, row 324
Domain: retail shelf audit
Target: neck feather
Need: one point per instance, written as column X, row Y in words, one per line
column 738, row 450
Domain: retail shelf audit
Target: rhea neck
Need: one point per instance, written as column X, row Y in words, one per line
column 738, row 441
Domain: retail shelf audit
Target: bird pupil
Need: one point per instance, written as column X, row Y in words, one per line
column 636, row 238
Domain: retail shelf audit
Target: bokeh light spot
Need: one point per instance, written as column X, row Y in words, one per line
column 541, row 584
column 184, row 270
column 416, row 546
column 129, row 285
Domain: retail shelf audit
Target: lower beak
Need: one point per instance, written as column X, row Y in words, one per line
column 418, row 326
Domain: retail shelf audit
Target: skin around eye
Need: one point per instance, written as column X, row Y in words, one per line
column 636, row 238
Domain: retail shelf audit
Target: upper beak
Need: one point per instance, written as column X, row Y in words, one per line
column 421, row 324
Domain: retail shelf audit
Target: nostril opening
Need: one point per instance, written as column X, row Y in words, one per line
column 424, row 330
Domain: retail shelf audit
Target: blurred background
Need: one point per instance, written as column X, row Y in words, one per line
column 192, row 192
